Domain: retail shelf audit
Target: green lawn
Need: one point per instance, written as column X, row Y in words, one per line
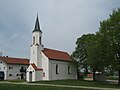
column 81, row 83
column 6, row 86
column 28, row 87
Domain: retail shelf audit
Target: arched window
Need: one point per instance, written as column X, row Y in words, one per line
column 33, row 40
column 57, row 69
column 40, row 40
column 43, row 74
column 69, row 69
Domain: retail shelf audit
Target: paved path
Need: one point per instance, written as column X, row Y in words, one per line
column 38, row 84
column 109, row 81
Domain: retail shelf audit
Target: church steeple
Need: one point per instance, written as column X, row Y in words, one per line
column 37, row 26
column 36, row 47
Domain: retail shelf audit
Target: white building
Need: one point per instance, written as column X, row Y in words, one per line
column 48, row 64
column 13, row 68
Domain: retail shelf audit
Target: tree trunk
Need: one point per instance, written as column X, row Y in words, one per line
column 118, row 77
column 78, row 76
column 94, row 75
column 86, row 71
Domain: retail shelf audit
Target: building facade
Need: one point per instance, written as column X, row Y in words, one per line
column 13, row 68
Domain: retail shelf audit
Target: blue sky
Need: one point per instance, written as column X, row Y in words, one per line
column 62, row 22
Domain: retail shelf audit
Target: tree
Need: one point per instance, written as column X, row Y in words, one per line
column 80, row 55
column 97, row 55
column 91, row 52
column 77, row 65
column 110, row 29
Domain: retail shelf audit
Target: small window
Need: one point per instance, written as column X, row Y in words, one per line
column 22, row 67
column 40, row 40
column 33, row 40
column 43, row 74
column 17, row 74
column 4, row 68
column 0, row 61
column 69, row 70
column 10, row 74
column 10, row 67
column 57, row 69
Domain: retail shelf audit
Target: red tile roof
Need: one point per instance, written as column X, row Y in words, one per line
column 10, row 60
column 57, row 55
column 35, row 67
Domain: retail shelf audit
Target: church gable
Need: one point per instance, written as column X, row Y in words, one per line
column 57, row 55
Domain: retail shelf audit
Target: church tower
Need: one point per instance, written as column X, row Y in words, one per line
column 36, row 46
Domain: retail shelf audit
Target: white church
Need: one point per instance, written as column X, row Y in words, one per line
column 48, row 64
column 44, row 63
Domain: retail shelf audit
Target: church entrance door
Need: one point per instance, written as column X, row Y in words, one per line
column 30, row 76
column 2, row 75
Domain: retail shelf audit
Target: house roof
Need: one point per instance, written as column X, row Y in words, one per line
column 10, row 60
column 57, row 55
column 35, row 67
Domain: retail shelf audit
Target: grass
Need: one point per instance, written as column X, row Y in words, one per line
column 57, row 82
column 28, row 87
column 81, row 83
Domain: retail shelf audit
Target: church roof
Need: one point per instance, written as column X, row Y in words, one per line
column 57, row 55
column 37, row 25
column 35, row 67
column 10, row 60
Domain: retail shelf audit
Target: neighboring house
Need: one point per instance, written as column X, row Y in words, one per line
column 13, row 68
column 48, row 64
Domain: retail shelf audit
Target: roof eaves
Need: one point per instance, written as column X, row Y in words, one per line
column 60, row 60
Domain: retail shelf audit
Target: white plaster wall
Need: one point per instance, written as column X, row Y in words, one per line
column 36, row 56
column 38, row 75
column 3, row 67
column 14, row 71
column 63, row 70
column 45, row 66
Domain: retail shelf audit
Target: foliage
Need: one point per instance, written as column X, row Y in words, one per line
column 110, row 33
column 80, row 54
column 101, row 51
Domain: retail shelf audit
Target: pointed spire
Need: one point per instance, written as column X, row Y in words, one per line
column 37, row 26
